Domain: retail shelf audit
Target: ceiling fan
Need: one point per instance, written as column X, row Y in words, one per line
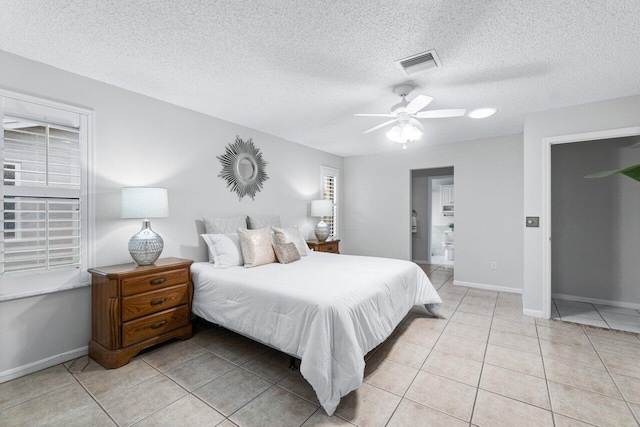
column 406, row 114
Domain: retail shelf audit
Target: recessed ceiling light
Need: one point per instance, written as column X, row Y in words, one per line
column 482, row 113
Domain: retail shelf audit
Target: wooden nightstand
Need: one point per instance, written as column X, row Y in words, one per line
column 135, row 307
column 331, row 246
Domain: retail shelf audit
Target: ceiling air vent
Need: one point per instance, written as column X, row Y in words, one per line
column 420, row 62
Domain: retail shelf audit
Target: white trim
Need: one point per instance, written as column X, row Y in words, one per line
column 534, row 313
column 41, row 364
column 621, row 304
column 46, row 102
column 487, row 287
column 420, row 261
column 546, row 197
column 38, row 292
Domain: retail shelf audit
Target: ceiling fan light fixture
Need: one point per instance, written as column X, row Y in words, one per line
column 403, row 133
column 482, row 113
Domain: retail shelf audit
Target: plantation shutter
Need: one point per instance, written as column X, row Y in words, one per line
column 42, row 224
column 330, row 192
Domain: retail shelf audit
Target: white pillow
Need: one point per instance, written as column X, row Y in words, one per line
column 261, row 221
column 291, row 235
column 224, row 225
column 256, row 247
column 224, row 250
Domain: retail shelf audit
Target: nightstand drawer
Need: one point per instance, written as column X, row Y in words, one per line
column 152, row 282
column 329, row 247
column 155, row 324
column 153, row 302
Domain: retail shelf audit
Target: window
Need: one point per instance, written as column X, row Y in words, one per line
column 329, row 184
column 44, row 236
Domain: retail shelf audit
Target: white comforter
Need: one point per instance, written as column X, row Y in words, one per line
column 327, row 309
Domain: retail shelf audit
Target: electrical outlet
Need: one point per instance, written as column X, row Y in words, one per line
column 494, row 265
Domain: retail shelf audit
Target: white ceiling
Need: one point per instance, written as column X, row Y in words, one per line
column 301, row 69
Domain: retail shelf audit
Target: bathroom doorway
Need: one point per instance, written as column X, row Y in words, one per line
column 432, row 216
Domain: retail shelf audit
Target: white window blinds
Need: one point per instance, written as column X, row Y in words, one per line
column 44, row 227
column 329, row 182
column 42, row 183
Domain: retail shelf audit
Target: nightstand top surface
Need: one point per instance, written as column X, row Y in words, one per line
column 132, row 269
column 326, row 242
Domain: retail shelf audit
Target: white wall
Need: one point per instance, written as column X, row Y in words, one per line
column 488, row 176
column 141, row 141
column 596, row 226
column 600, row 116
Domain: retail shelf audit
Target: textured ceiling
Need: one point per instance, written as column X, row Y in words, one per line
column 301, row 69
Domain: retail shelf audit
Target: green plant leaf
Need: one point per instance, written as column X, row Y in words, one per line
column 632, row 172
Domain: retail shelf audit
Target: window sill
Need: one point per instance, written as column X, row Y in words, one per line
column 35, row 293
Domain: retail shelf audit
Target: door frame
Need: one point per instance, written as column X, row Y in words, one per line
column 546, row 196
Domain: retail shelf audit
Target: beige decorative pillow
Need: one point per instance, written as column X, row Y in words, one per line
column 286, row 253
column 256, row 247
column 291, row 235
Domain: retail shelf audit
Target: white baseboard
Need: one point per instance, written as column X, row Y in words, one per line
column 487, row 287
column 532, row 313
column 621, row 304
column 420, row 261
column 39, row 365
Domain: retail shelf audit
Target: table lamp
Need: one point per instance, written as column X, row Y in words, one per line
column 144, row 202
column 322, row 208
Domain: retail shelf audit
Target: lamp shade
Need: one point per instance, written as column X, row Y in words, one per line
column 144, row 202
column 321, row 208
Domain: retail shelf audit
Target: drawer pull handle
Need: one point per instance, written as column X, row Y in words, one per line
column 157, row 281
column 158, row 301
column 159, row 324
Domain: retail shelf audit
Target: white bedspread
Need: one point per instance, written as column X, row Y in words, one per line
column 327, row 309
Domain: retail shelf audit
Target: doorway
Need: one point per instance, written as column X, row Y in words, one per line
column 432, row 216
column 586, row 262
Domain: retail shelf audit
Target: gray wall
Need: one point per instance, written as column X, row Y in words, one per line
column 140, row 141
column 595, row 222
column 420, row 203
column 595, row 117
column 488, row 175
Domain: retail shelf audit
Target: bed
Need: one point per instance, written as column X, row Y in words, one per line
column 328, row 310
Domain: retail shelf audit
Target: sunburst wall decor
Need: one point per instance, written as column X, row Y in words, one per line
column 243, row 168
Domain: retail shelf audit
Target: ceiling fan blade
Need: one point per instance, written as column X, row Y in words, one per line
column 379, row 126
column 418, row 103
column 375, row 115
column 438, row 114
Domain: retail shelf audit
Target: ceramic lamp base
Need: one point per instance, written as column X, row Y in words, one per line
column 146, row 246
column 322, row 231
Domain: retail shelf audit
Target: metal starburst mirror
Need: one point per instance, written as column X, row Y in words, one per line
column 243, row 168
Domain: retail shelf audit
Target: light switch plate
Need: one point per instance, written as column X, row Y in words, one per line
column 533, row 221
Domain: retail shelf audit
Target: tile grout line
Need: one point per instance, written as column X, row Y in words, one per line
column 425, row 360
column 624, row 399
column 39, row 395
column 484, row 356
column 95, row 399
column 546, row 379
column 167, row 377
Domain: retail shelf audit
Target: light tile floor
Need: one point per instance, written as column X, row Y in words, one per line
column 483, row 364
column 603, row 316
